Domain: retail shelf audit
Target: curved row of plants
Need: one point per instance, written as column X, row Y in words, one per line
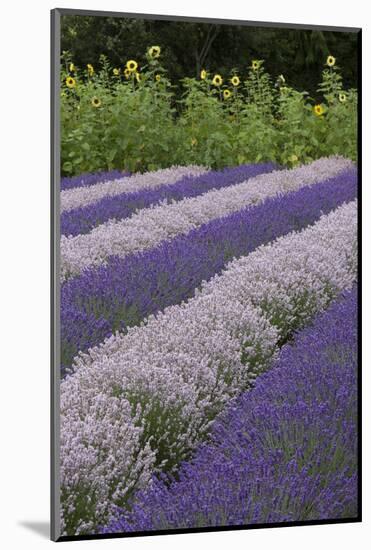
column 119, row 421
column 284, row 451
column 127, row 290
column 147, row 227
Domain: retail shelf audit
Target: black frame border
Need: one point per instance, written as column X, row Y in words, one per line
column 55, row 263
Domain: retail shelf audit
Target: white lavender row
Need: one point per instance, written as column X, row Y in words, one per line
column 82, row 196
column 159, row 387
column 150, row 226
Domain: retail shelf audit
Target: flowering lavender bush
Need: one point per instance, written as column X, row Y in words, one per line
column 125, row 291
column 177, row 371
column 150, row 226
column 85, row 218
column 86, row 180
column 285, row 451
column 84, row 195
column 79, row 330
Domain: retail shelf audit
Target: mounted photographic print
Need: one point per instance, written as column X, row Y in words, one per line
column 205, row 284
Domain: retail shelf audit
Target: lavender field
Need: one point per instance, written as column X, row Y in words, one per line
column 208, row 346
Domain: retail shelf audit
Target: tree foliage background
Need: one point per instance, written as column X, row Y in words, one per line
column 187, row 47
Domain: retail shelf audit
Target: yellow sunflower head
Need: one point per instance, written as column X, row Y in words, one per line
column 226, row 94
column 127, row 73
column 203, row 74
column 217, row 80
column 235, row 80
column 137, row 76
column 255, row 64
column 90, row 69
column 330, row 62
column 342, row 97
column 131, row 65
column 158, row 77
column 154, row 52
column 318, row 110
column 70, row 82
column 96, row 102
column 116, row 72
column 72, row 68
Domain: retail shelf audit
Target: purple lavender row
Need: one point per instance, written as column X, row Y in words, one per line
column 85, row 218
column 121, row 294
column 286, row 451
column 85, row 180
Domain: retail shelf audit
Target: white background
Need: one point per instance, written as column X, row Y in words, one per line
column 24, row 200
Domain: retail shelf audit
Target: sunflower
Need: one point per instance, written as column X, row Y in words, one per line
column 71, row 82
column 330, row 62
column 217, row 80
column 203, row 74
column 255, row 65
column 131, row 65
column 127, row 73
column 235, row 80
column 154, row 52
column 158, row 77
column 96, row 102
column 342, row 98
column 90, row 69
column 116, row 72
column 72, row 68
column 226, row 94
column 318, row 110
column 137, row 76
